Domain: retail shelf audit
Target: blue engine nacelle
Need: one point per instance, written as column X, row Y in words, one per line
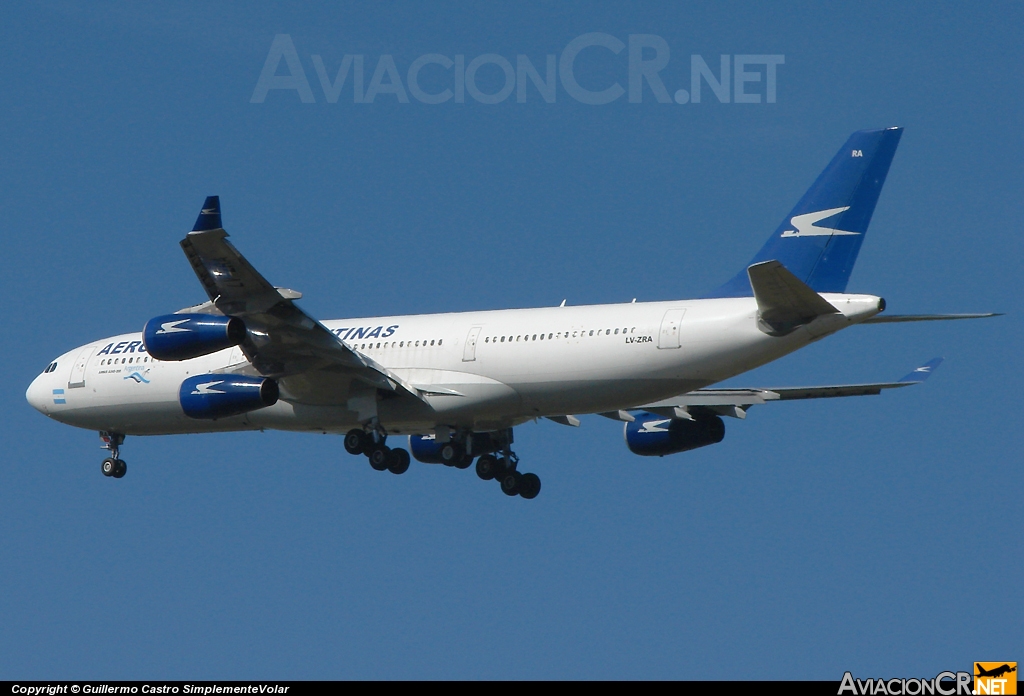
column 426, row 449
column 186, row 336
column 209, row 397
column 653, row 436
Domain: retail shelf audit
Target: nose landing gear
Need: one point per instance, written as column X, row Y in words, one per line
column 113, row 466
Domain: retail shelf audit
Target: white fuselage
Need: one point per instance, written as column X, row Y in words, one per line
column 478, row 370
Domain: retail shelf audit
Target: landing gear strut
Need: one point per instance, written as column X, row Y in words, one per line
column 113, row 465
column 382, row 457
column 504, row 470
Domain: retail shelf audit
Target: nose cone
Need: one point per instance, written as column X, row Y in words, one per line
column 38, row 396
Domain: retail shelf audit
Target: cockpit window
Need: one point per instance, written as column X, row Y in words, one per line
column 50, row 368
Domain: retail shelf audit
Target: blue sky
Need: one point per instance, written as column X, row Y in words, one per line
column 877, row 535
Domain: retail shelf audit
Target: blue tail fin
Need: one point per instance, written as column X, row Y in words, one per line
column 209, row 216
column 819, row 239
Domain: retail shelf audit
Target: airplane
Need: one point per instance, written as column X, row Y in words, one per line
column 457, row 384
column 994, row 672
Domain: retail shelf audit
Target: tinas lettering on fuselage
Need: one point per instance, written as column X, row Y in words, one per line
column 346, row 333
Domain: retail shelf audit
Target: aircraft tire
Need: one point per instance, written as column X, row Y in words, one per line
column 487, row 467
column 121, row 470
column 398, row 461
column 355, row 441
column 109, row 466
column 451, row 454
column 378, row 457
column 510, row 483
column 465, row 462
column 529, row 486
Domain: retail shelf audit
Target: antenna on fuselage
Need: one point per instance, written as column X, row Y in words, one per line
column 563, row 304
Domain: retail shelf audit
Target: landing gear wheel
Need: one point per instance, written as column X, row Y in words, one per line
column 355, row 442
column 378, row 457
column 465, row 462
column 487, row 467
column 529, row 486
column 112, row 465
column 510, row 483
column 398, row 461
column 451, row 454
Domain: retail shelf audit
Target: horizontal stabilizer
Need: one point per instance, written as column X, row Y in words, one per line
column 784, row 302
column 898, row 318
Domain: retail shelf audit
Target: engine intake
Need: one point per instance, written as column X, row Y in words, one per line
column 187, row 336
column 653, row 436
column 209, row 397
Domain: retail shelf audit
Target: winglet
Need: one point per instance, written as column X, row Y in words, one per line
column 922, row 373
column 209, row 216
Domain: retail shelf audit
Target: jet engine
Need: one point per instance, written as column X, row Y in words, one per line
column 427, row 449
column 208, row 397
column 651, row 435
column 187, row 336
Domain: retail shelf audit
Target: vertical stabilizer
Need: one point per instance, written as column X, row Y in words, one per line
column 819, row 240
column 209, row 216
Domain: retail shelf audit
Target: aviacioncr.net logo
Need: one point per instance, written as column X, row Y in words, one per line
column 944, row 684
column 995, row 678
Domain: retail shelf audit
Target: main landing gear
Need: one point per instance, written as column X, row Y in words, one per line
column 498, row 463
column 504, row 471
column 496, row 460
column 454, row 454
column 380, row 455
column 113, row 465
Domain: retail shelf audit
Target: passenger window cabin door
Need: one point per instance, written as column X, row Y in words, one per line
column 469, row 353
column 668, row 337
column 77, row 379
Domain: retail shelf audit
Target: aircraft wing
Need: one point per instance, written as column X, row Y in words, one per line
column 283, row 341
column 735, row 402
